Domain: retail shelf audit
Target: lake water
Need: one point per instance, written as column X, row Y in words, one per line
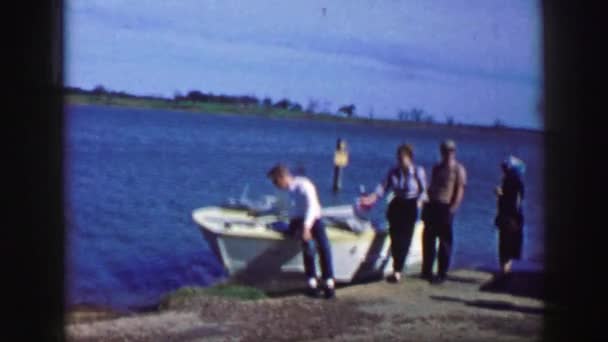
column 133, row 177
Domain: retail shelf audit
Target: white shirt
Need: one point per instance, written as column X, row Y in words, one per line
column 305, row 200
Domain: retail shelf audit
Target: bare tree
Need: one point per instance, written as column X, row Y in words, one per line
column 499, row 123
column 416, row 114
column 449, row 120
column 177, row 95
column 312, row 106
column 402, row 114
column 326, row 106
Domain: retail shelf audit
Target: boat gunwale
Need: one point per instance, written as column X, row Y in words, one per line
column 261, row 231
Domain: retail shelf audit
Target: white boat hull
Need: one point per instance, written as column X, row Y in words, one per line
column 254, row 254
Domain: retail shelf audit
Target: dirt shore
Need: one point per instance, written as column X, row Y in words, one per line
column 469, row 306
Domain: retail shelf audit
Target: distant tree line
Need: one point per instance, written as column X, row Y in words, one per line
column 100, row 90
column 414, row 114
column 199, row 96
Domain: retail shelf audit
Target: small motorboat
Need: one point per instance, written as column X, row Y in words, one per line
column 256, row 249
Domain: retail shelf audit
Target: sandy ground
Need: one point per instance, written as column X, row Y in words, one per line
column 470, row 306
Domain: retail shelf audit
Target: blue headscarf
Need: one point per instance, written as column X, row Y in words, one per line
column 515, row 164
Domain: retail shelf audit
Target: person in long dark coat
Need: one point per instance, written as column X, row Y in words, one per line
column 510, row 219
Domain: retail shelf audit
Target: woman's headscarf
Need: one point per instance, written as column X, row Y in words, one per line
column 515, row 164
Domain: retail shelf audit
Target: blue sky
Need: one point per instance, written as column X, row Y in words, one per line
column 474, row 60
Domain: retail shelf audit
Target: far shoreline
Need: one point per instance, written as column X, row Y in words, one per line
column 214, row 108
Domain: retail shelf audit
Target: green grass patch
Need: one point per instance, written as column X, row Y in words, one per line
column 237, row 292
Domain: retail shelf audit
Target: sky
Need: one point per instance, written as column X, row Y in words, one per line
column 477, row 61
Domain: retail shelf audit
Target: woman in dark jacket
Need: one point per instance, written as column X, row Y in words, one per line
column 510, row 218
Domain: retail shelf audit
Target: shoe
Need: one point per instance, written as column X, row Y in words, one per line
column 314, row 292
column 329, row 288
column 440, row 279
column 330, row 293
column 501, row 276
column 394, row 278
column 426, row 276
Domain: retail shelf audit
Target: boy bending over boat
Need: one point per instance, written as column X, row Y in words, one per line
column 305, row 219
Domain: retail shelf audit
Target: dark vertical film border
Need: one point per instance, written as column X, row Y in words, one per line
column 33, row 242
column 572, row 238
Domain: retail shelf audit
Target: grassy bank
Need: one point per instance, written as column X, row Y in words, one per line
column 193, row 106
column 179, row 298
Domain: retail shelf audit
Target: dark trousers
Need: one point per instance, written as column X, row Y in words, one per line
column 401, row 215
column 309, row 248
column 437, row 225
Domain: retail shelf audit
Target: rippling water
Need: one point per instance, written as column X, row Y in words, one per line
column 134, row 176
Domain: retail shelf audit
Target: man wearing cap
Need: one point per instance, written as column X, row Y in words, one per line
column 305, row 220
column 445, row 193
